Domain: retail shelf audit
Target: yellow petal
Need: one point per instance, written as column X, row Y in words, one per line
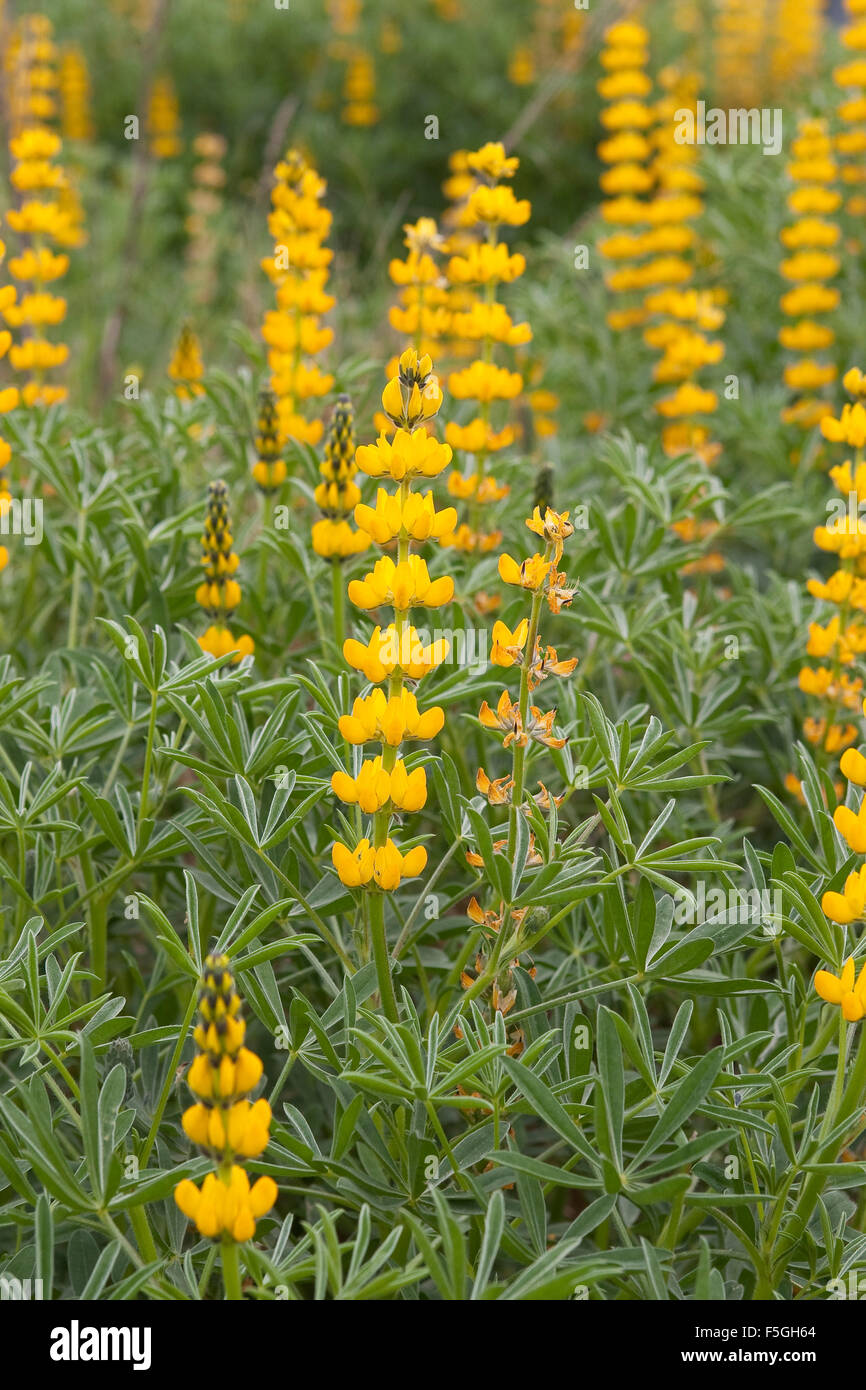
column 828, row 987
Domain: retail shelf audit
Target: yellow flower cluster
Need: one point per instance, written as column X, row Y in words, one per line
column 205, row 205
column 9, row 398
column 521, row 66
column 680, row 319
column 30, row 64
column 462, row 238
column 186, row 367
column 298, row 269
column 337, row 495
column 739, row 40
column 422, row 314
column 484, row 265
column 220, row 593
column 359, row 91
column 76, row 120
column 850, row 77
column 163, row 119
column 836, row 644
column 269, row 469
column 543, row 404
column 520, row 723
column 223, row 1120
column 809, row 264
column 344, row 15
column 625, row 151
column 538, row 575
column 850, row 820
column 43, row 220
column 395, row 654
column 797, row 40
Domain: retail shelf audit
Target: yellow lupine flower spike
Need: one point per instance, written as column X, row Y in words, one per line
column 48, row 210
column 220, row 593
column 186, row 368
column 338, row 494
column 299, row 224
column 223, row 1120
column 269, row 470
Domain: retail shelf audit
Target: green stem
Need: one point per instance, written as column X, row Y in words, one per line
column 381, row 957
column 148, row 759
column 339, row 605
column 97, row 924
column 231, row 1270
column 519, row 758
column 75, row 599
column 143, row 1234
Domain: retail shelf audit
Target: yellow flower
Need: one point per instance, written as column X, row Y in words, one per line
column 497, row 206
column 849, row 905
column 482, row 320
column 243, row 1127
column 336, row 540
column 810, row 265
column 806, row 336
column 218, row 641
column 852, row 826
column 36, row 354
column 554, row 527
column 688, row 399
column 485, row 382
column 809, row 299
column 374, row 788
column 476, row 438
column 849, row 429
column 498, row 793
column 854, row 382
column 417, row 517
column 508, row 646
column 823, row 640
column 853, row 766
column 492, row 161
column 390, row 720
column 483, row 264
column 229, row 1207
column 405, row 456
column 392, row 649
column 186, row 367
column 530, row 574
column 35, row 143
column 385, row 865
column 403, row 585
column 843, row 990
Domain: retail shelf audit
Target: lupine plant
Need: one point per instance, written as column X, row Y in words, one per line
column 418, row 884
